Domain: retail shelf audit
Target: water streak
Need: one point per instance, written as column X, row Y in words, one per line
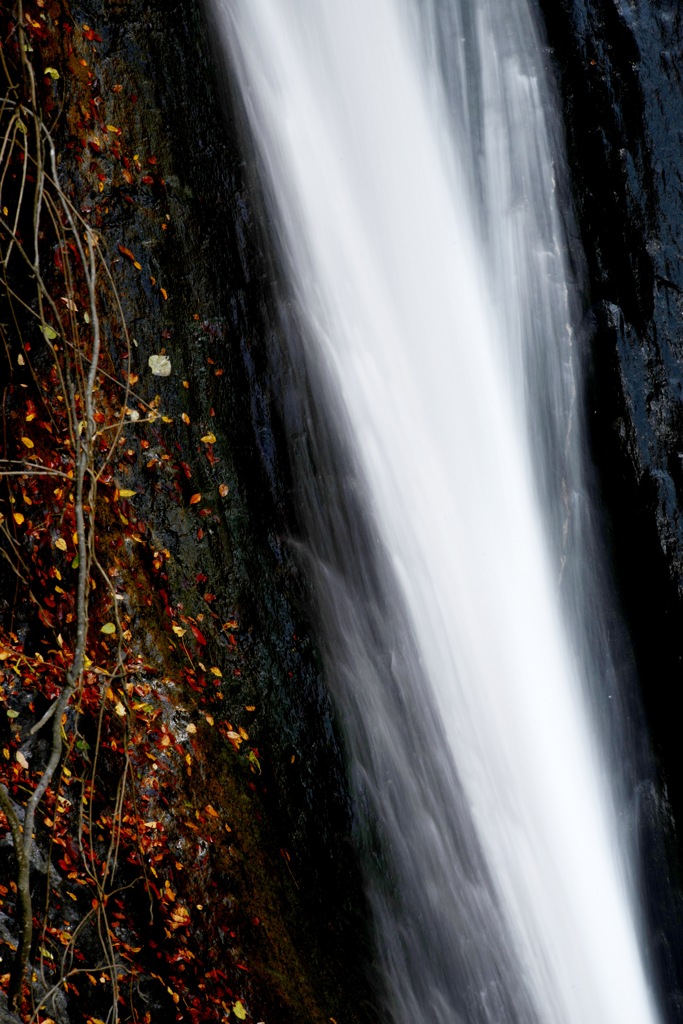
column 409, row 167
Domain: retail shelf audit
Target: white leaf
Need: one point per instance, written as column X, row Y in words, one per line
column 160, row 366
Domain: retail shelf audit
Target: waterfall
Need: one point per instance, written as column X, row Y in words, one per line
column 408, row 153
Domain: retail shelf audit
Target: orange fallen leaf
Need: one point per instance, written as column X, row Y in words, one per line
column 195, row 499
column 223, row 490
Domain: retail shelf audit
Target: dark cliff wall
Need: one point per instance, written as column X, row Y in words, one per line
column 622, row 96
column 198, row 288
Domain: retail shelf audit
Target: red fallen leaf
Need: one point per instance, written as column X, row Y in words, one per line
column 199, row 636
column 186, row 469
column 127, row 253
column 46, row 618
column 95, row 146
column 200, row 534
column 91, row 35
column 147, row 179
column 152, row 160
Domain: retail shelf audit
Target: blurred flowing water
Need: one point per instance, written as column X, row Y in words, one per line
column 410, row 158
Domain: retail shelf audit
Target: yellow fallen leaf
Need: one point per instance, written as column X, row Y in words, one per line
column 52, row 72
column 108, row 628
column 18, row 518
column 209, row 719
column 216, row 672
column 21, row 759
column 178, row 630
column 209, row 438
column 180, row 916
column 191, row 729
column 120, row 710
column 27, row 442
column 127, row 493
column 60, row 543
column 185, row 418
column 239, row 1011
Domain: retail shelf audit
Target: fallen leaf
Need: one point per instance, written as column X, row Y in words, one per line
column 178, row 630
column 126, row 493
column 18, row 518
column 216, row 672
column 239, row 1011
column 185, row 418
column 198, row 635
column 21, row 759
column 60, row 543
column 195, row 499
column 120, row 710
column 108, row 628
column 223, row 490
column 180, row 916
column 209, row 438
column 127, row 253
column 52, row 72
column 159, row 365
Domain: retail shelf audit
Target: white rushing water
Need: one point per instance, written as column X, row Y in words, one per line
column 406, row 155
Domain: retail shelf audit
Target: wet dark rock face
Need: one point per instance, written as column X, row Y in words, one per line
column 618, row 67
column 211, row 262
